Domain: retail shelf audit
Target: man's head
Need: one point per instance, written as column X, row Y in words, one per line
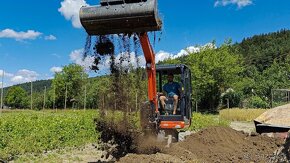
column 170, row 77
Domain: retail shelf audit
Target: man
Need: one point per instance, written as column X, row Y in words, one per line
column 170, row 89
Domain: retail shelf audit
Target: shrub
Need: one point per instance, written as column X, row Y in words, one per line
column 233, row 97
column 257, row 102
column 200, row 121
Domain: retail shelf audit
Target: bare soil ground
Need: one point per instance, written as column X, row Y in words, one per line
column 246, row 127
column 215, row 144
column 88, row 153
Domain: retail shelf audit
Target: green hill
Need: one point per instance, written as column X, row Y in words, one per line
column 38, row 86
column 262, row 50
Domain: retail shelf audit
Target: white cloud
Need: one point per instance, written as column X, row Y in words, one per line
column 162, row 55
column 50, row 37
column 49, row 77
column 56, row 55
column 77, row 57
column 18, row 79
column 18, row 36
column 6, row 74
column 4, row 85
column 23, row 76
column 159, row 56
column 56, row 69
column 187, row 51
column 70, row 10
column 239, row 3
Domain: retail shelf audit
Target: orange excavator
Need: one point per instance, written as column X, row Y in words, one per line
column 140, row 17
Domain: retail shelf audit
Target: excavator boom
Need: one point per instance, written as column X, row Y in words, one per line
column 151, row 69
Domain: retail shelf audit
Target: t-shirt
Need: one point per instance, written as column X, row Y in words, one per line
column 171, row 88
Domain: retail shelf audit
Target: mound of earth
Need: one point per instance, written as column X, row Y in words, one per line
column 283, row 153
column 214, row 144
column 158, row 157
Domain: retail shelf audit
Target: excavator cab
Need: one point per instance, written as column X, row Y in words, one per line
column 182, row 75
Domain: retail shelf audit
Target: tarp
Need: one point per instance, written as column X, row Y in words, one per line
column 278, row 116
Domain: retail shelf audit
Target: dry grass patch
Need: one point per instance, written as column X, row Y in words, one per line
column 237, row 114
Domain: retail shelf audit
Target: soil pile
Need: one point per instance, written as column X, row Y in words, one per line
column 215, row 144
column 283, row 153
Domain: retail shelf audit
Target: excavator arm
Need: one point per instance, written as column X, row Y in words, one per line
column 150, row 68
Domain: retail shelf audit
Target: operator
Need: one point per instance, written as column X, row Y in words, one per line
column 171, row 89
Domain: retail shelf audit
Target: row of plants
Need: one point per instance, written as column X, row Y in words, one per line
column 41, row 131
column 200, row 121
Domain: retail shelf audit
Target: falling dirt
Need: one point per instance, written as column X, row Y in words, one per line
column 122, row 55
column 121, row 138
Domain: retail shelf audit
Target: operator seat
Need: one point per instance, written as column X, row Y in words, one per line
column 169, row 106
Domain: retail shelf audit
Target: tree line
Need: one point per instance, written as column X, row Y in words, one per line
column 232, row 75
column 72, row 88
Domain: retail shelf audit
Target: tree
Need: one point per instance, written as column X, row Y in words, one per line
column 16, row 97
column 71, row 79
column 275, row 77
column 213, row 71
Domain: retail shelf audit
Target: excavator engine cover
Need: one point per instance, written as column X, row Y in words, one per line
column 121, row 16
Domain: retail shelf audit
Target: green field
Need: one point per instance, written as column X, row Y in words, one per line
column 200, row 121
column 23, row 132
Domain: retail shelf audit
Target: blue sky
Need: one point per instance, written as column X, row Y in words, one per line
column 39, row 37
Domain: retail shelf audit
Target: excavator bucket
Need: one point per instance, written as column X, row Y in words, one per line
column 121, row 16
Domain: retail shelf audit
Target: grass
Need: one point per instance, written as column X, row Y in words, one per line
column 241, row 114
column 84, row 154
column 200, row 121
column 23, row 132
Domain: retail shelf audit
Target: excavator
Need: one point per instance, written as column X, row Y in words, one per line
column 141, row 17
